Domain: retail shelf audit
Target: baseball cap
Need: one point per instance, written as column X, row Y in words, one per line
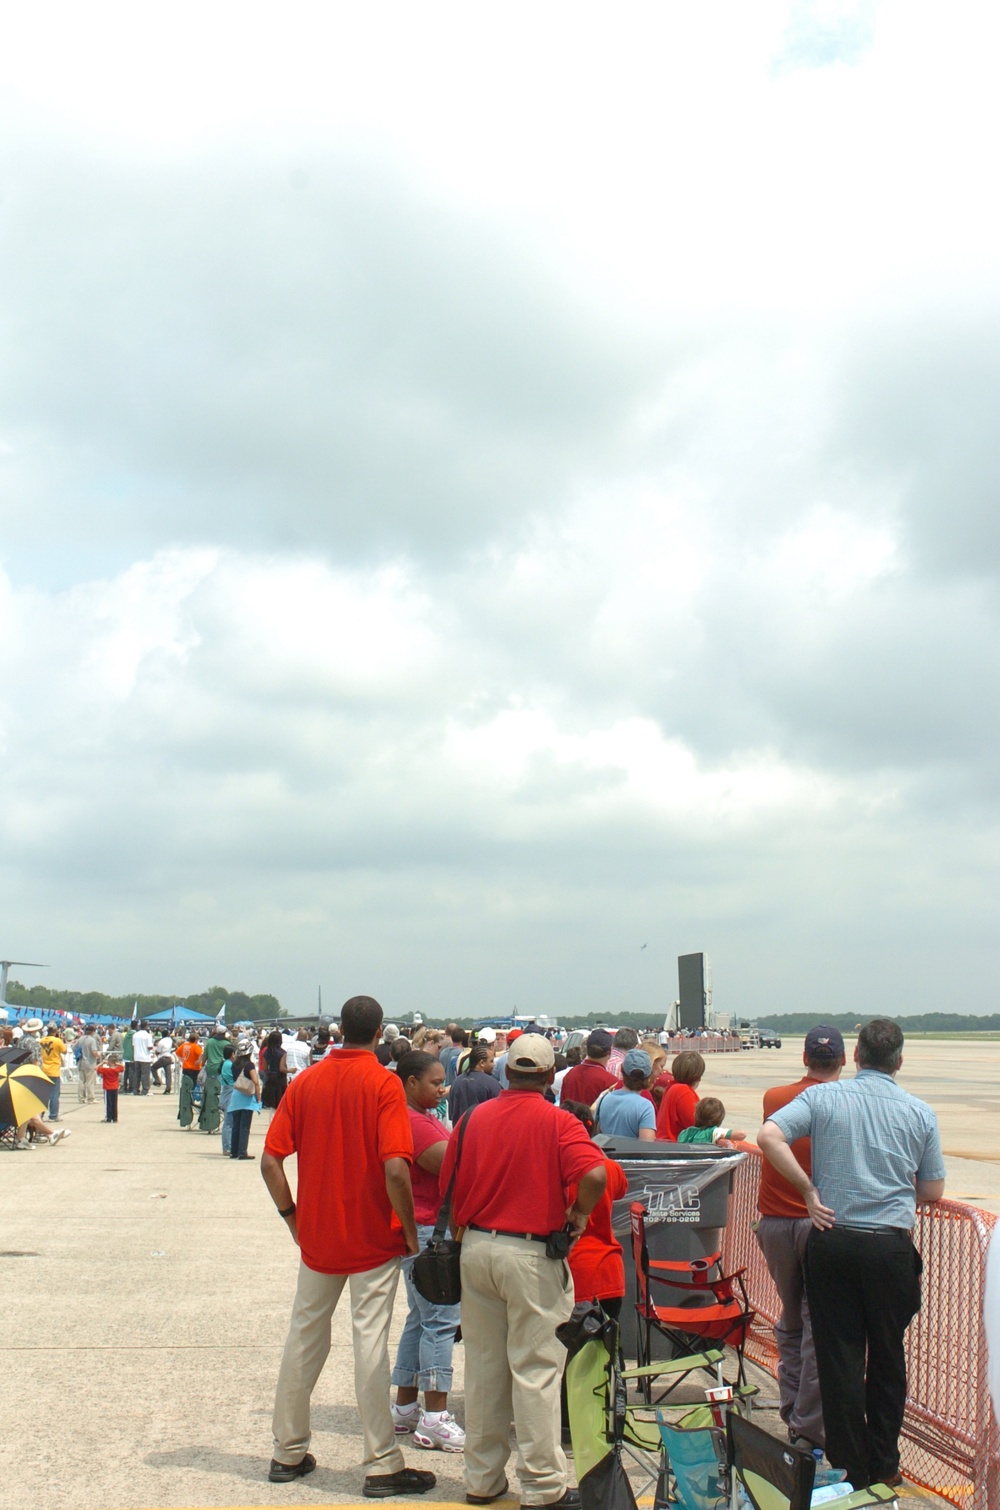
column 600, row 1041
column 636, row 1060
column 515, row 1033
column 487, row 1035
column 824, row 1043
column 533, row 1053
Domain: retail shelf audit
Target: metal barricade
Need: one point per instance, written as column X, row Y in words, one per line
column 950, row 1440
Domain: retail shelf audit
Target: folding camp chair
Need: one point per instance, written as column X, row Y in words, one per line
column 713, row 1308
column 604, row 1427
column 777, row 1476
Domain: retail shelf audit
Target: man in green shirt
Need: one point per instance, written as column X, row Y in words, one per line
column 209, row 1118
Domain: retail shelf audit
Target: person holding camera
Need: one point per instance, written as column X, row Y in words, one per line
column 516, row 1284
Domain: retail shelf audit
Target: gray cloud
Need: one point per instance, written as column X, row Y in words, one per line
column 500, row 636
column 203, row 351
column 917, row 406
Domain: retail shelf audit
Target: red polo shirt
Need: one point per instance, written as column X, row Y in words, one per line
column 676, row 1111
column 343, row 1119
column 776, row 1197
column 520, row 1157
column 585, row 1082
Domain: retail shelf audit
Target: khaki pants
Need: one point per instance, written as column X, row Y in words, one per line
column 306, row 1350
column 513, row 1298
column 88, row 1082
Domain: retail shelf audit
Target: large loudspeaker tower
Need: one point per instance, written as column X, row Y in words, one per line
column 691, row 975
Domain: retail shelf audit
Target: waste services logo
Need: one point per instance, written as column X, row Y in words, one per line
column 672, row 1203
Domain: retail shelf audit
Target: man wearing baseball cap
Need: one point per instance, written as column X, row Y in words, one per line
column 875, row 1152
column 782, row 1232
column 514, row 1294
column 586, row 1081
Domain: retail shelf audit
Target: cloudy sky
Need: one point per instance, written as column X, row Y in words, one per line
column 485, row 488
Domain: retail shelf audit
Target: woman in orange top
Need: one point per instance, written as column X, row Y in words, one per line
column 680, row 1099
column 190, row 1055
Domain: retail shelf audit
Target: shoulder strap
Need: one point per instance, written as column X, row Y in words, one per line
column 441, row 1225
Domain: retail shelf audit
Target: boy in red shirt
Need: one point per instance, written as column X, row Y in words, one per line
column 110, row 1074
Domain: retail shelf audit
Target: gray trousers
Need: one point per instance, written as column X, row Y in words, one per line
column 782, row 1241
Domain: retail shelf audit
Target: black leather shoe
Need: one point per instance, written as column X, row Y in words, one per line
column 568, row 1500
column 284, row 1473
column 381, row 1486
column 487, row 1499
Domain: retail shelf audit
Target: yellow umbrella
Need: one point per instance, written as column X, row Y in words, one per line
column 24, row 1093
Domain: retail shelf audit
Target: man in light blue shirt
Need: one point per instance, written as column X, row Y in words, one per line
column 875, row 1152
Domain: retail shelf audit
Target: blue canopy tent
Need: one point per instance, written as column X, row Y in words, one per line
column 174, row 1015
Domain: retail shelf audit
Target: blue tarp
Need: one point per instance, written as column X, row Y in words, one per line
column 178, row 1014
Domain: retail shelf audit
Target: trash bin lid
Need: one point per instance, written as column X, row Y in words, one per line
column 659, row 1152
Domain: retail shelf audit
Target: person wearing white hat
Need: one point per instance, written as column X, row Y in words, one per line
column 515, row 1287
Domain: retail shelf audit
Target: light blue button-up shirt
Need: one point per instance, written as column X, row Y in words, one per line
column 870, row 1138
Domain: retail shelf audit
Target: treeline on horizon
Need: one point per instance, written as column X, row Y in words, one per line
column 925, row 1022
column 239, row 1006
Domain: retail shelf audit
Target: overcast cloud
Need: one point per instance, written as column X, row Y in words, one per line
column 483, row 496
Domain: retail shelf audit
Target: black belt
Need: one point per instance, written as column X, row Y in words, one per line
column 872, row 1231
column 529, row 1237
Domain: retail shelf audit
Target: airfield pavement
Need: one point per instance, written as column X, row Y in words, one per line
column 146, row 1283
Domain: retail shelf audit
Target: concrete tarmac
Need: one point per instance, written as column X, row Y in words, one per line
column 146, row 1285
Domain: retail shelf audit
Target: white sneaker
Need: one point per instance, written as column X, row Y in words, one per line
column 62, row 1132
column 445, row 1434
column 406, row 1420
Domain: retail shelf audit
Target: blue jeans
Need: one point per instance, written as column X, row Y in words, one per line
column 423, row 1358
column 54, row 1098
column 225, row 1096
column 241, row 1133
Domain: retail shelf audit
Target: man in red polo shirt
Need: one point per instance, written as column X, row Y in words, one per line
column 782, row 1231
column 513, row 1295
column 352, row 1217
column 586, row 1081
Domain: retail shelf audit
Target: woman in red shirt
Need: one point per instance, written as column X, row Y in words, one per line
column 423, row 1358
column 680, row 1099
column 595, row 1259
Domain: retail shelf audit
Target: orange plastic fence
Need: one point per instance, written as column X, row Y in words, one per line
column 950, row 1440
column 724, row 1043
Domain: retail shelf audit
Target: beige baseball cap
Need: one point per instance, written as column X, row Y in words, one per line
column 531, row 1053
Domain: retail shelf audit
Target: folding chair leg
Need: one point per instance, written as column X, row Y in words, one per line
column 661, row 1498
column 647, row 1384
